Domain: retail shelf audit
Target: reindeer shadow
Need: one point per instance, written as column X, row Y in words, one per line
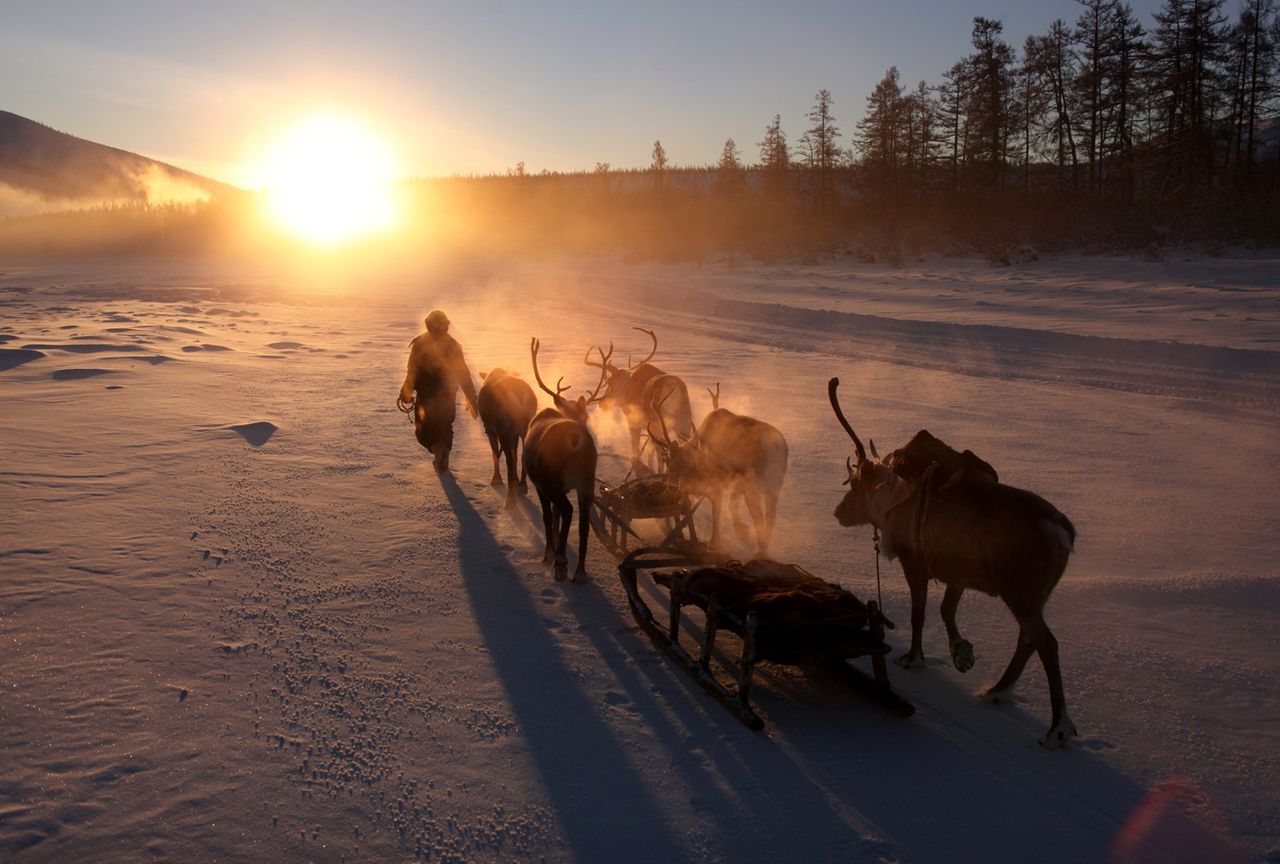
column 603, row 807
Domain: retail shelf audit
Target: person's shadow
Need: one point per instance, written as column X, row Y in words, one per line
column 603, row 807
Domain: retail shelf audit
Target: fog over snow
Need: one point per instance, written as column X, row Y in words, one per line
column 243, row 620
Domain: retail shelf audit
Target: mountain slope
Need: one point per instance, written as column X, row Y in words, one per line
column 43, row 163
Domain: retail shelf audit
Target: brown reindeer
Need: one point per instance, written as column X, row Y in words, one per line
column 559, row 457
column 506, row 405
column 636, row 388
column 734, row 454
column 968, row 531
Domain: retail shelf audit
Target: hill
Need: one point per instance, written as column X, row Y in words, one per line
column 43, row 169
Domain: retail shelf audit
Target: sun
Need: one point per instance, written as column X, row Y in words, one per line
column 328, row 179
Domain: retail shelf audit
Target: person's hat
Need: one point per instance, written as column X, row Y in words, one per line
column 437, row 320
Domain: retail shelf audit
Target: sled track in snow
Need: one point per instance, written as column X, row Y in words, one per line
column 1241, row 378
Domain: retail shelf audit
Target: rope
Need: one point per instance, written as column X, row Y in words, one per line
column 875, row 539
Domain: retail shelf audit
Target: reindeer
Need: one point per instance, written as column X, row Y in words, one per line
column 731, row 453
column 968, row 531
column 559, row 456
column 506, row 405
column 637, row 388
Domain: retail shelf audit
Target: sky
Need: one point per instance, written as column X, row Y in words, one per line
column 474, row 87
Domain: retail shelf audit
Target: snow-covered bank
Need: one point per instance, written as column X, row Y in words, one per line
column 227, row 644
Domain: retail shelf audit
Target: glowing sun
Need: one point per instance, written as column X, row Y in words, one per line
column 329, row 179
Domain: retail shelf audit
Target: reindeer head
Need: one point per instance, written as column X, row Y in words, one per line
column 682, row 456
column 575, row 409
column 617, row 378
column 874, row 489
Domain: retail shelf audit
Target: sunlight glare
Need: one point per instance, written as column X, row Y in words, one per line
column 328, row 179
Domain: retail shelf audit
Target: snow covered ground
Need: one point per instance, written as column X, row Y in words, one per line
column 243, row 620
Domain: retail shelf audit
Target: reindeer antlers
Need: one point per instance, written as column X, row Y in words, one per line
column 715, row 396
column 604, row 373
column 652, row 336
column 604, row 358
column 655, row 405
column 835, row 404
column 534, row 347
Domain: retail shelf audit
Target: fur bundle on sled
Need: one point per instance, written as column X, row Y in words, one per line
column 800, row 619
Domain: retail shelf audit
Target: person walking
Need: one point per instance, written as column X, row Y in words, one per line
column 430, row 390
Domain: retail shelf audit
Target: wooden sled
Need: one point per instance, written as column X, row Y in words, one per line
column 781, row 613
column 655, row 497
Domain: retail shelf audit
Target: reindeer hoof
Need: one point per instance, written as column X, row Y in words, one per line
column 993, row 696
column 581, row 576
column 911, row 661
column 562, row 571
column 1060, row 735
column 962, row 654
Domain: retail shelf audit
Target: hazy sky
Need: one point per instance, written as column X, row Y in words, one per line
column 476, row 86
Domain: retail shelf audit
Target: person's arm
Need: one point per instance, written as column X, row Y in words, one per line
column 406, row 389
column 464, row 380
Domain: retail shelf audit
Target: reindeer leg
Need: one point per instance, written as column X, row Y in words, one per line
column 1002, row 690
column 714, row 498
column 635, row 443
column 770, row 516
column 509, row 450
column 914, row 659
column 585, row 497
column 564, row 512
column 757, row 518
column 548, row 523
column 1061, row 730
column 524, row 481
column 736, row 497
column 495, row 446
column 961, row 648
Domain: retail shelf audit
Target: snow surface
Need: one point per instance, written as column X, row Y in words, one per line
column 243, row 620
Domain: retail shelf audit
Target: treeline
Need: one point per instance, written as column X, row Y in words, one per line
column 133, row 228
column 1100, row 134
column 1103, row 109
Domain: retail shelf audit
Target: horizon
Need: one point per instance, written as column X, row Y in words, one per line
column 455, row 105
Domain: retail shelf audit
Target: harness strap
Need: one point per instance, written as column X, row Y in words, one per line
column 917, row 528
column 922, row 513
